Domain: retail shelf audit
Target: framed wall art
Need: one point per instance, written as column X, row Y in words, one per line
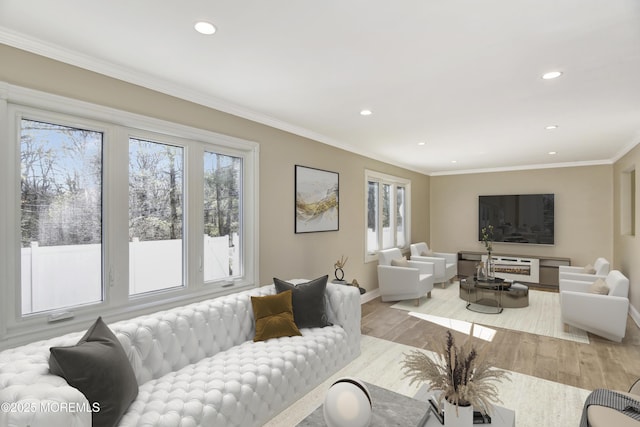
column 317, row 200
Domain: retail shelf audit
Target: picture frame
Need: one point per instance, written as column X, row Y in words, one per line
column 317, row 201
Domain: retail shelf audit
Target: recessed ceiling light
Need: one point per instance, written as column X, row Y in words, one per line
column 552, row 75
column 421, row 143
column 454, row 161
column 553, row 153
column 204, row 27
column 365, row 113
column 551, row 127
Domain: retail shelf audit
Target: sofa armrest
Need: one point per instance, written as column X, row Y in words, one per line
column 438, row 264
column 574, row 286
column 423, row 267
column 604, row 315
column 449, row 257
column 44, row 404
column 571, row 269
column 343, row 309
column 585, row 277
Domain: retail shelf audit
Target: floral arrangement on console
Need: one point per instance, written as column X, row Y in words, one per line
column 463, row 374
column 487, row 237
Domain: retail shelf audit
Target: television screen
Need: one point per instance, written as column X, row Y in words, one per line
column 518, row 218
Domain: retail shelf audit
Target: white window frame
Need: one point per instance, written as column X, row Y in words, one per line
column 118, row 126
column 394, row 182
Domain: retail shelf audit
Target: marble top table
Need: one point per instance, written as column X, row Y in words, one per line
column 393, row 409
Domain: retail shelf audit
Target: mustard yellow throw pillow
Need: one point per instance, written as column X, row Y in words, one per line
column 274, row 316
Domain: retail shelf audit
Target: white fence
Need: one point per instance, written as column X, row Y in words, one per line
column 387, row 237
column 63, row 276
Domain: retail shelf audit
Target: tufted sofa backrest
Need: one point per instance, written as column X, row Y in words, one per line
column 169, row 340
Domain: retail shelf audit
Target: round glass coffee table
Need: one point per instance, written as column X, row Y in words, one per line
column 483, row 296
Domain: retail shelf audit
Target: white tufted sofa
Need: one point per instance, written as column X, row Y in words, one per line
column 196, row 365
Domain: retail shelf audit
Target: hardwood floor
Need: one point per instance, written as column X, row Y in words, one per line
column 600, row 364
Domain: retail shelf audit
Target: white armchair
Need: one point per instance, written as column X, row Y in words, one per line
column 445, row 264
column 603, row 315
column 401, row 283
column 601, row 267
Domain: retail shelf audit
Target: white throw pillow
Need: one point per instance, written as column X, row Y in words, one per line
column 599, row 287
column 400, row 262
column 589, row 269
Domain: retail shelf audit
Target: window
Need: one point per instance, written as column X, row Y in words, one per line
column 222, row 216
column 373, row 210
column 387, row 212
column 155, row 216
column 60, row 216
column 115, row 214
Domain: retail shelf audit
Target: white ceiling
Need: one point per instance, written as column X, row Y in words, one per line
column 463, row 76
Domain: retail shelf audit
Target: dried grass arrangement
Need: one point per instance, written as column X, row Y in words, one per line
column 463, row 374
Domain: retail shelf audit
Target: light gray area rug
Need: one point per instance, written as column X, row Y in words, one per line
column 537, row 402
column 542, row 317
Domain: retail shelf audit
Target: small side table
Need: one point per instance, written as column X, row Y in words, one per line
column 344, row 282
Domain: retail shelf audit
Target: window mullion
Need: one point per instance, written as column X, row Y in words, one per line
column 392, row 214
column 194, row 227
column 116, row 219
column 380, row 215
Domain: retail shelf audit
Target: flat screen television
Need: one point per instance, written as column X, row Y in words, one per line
column 518, row 218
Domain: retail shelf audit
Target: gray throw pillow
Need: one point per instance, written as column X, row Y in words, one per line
column 100, row 369
column 308, row 302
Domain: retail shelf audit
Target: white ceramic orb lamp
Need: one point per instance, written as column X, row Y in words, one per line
column 347, row 404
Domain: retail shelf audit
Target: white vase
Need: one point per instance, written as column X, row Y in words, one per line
column 463, row 417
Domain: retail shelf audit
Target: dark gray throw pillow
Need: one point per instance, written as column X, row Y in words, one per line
column 100, row 369
column 308, row 302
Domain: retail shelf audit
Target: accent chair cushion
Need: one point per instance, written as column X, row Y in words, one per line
column 308, row 301
column 599, row 287
column 589, row 269
column 99, row 367
column 274, row 316
column 400, row 262
column 426, row 253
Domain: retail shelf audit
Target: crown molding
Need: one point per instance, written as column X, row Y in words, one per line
column 627, row 148
column 525, row 167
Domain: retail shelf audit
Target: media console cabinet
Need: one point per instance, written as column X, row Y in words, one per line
column 537, row 270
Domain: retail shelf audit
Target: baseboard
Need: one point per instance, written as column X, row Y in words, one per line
column 635, row 314
column 370, row 295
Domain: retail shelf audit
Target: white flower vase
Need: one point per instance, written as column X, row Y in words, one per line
column 462, row 418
